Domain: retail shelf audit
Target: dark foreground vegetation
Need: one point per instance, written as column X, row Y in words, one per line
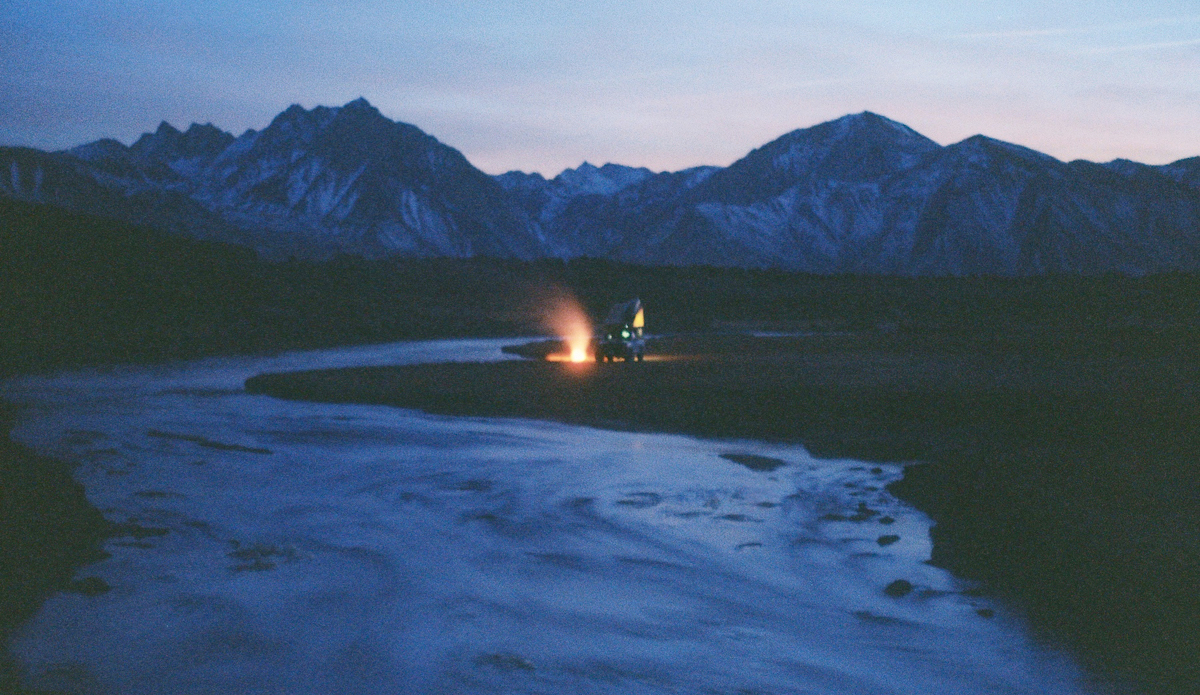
column 86, row 290
column 47, row 529
column 1055, row 418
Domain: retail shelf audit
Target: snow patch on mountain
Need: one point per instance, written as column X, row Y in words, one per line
column 859, row 194
column 588, row 179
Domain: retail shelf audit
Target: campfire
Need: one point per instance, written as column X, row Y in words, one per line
column 570, row 322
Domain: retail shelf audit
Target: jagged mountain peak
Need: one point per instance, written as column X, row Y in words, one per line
column 861, row 193
column 348, row 176
column 296, row 122
column 164, row 134
column 167, row 144
column 321, row 116
column 360, row 104
column 585, row 169
column 347, row 135
column 204, row 140
column 197, row 130
column 587, row 178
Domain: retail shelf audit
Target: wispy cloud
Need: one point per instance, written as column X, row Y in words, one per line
column 1075, row 31
column 1144, row 47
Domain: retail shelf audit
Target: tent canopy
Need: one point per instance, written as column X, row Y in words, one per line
column 626, row 314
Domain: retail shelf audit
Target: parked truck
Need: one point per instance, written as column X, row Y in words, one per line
column 620, row 336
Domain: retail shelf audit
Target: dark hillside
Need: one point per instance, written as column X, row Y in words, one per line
column 86, row 290
column 79, row 289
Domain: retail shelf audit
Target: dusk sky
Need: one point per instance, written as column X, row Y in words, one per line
column 541, row 86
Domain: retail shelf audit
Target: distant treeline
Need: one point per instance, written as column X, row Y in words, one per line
column 84, row 290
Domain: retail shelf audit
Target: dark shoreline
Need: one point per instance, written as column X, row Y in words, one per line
column 49, row 530
column 1067, row 484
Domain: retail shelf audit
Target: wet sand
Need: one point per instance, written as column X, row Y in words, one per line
column 1066, row 480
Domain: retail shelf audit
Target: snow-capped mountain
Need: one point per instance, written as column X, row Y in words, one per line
column 860, row 194
column 313, row 182
column 864, row 194
column 370, row 185
column 106, row 182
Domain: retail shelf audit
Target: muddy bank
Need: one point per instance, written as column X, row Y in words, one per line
column 1096, row 542
column 1067, row 482
column 49, row 530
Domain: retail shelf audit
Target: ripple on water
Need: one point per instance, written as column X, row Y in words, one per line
column 381, row 550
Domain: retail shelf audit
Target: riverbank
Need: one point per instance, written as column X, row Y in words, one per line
column 1062, row 475
column 89, row 291
column 49, row 530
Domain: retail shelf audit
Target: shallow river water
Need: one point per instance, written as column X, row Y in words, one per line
column 285, row 547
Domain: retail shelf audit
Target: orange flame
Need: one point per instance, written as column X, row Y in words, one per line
column 570, row 322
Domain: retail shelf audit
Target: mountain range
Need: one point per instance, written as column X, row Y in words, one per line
column 860, row 194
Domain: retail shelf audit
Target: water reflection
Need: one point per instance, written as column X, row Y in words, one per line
column 338, row 548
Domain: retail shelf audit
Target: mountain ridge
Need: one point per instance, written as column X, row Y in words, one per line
column 858, row 194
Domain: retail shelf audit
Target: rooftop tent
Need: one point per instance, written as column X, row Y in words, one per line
column 626, row 314
column 620, row 336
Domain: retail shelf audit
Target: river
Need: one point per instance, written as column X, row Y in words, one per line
column 288, row 547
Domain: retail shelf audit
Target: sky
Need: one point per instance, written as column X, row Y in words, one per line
column 543, row 85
